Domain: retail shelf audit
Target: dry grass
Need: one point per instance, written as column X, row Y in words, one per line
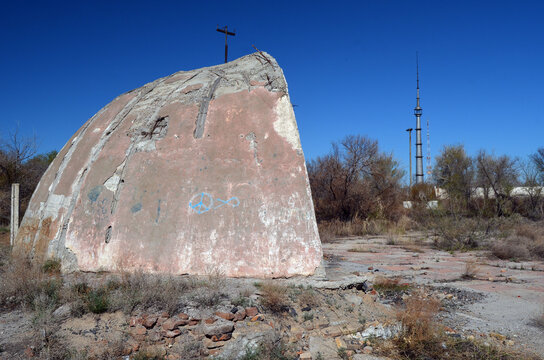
column 22, row 282
column 274, row 297
column 330, row 230
column 472, row 269
column 514, row 247
column 417, row 320
column 52, row 266
column 362, row 249
column 413, row 248
column 384, row 284
column 309, row 297
column 421, row 337
column 538, row 320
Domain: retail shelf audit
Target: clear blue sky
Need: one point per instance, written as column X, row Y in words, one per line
column 350, row 65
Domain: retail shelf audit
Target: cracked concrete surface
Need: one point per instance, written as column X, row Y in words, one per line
column 162, row 179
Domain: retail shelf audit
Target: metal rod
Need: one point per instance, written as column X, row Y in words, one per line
column 410, row 152
column 227, row 33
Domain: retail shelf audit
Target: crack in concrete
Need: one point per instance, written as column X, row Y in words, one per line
column 203, row 111
column 61, row 239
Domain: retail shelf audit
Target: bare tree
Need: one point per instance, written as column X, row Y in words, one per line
column 497, row 175
column 20, row 164
column 538, row 160
column 454, row 171
column 355, row 181
column 14, row 151
column 533, row 181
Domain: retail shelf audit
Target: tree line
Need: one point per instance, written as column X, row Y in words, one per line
column 356, row 180
column 20, row 163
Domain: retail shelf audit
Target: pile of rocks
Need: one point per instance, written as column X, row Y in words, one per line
column 167, row 335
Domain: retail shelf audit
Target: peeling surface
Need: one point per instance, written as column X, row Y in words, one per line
column 196, row 171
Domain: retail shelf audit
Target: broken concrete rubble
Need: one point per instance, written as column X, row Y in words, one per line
column 201, row 171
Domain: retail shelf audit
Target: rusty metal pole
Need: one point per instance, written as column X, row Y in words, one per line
column 410, row 151
column 14, row 221
column 226, row 45
column 227, row 33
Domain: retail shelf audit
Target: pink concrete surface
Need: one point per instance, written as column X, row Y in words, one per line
column 137, row 188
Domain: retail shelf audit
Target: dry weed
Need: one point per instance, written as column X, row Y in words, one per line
column 417, row 325
column 384, row 284
column 309, row 297
column 471, row 270
column 513, row 247
column 538, row 320
column 362, row 249
column 274, row 297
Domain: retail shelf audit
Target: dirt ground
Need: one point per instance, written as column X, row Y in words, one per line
column 496, row 304
column 502, row 298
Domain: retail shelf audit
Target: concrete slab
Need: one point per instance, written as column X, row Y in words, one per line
column 200, row 172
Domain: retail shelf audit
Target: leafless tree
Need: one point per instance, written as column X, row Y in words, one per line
column 354, row 180
column 498, row 175
column 14, row 151
column 20, row 164
column 454, row 172
column 533, row 181
column 538, row 161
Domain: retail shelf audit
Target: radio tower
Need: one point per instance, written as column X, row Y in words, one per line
column 417, row 112
column 429, row 169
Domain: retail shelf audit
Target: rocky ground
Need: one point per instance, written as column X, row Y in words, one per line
column 333, row 315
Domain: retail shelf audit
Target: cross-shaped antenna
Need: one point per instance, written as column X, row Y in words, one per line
column 227, row 33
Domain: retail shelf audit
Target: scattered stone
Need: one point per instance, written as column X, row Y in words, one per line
column 497, row 336
column 210, row 344
column 293, row 312
column 341, row 344
column 324, row 347
column 224, row 315
column 321, row 323
column 173, row 323
column 224, row 337
column 172, row 333
column 218, row 328
column 240, row 315
column 258, row 317
column 134, row 321
column 305, row 356
column 209, row 320
column 251, row 311
column 368, row 349
column 138, row 330
column 149, row 321
column 62, row 311
column 354, row 299
column 332, row 331
column 154, row 335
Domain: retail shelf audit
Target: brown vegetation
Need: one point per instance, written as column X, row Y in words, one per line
column 20, row 164
column 421, row 337
column 274, row 297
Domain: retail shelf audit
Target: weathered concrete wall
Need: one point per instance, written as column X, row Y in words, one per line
column 196, row 172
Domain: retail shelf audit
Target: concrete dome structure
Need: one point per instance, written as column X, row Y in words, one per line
column 198, row 171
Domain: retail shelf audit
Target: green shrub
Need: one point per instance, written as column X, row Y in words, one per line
column 51, row 266
column 97, row 301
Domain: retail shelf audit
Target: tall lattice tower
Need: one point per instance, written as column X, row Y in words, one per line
column 429, row 167
column 417, row 112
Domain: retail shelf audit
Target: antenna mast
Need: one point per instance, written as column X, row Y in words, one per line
column 417, row 112
column 429, row 170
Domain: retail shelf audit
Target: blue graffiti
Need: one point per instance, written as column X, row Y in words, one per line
column 203, row 202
